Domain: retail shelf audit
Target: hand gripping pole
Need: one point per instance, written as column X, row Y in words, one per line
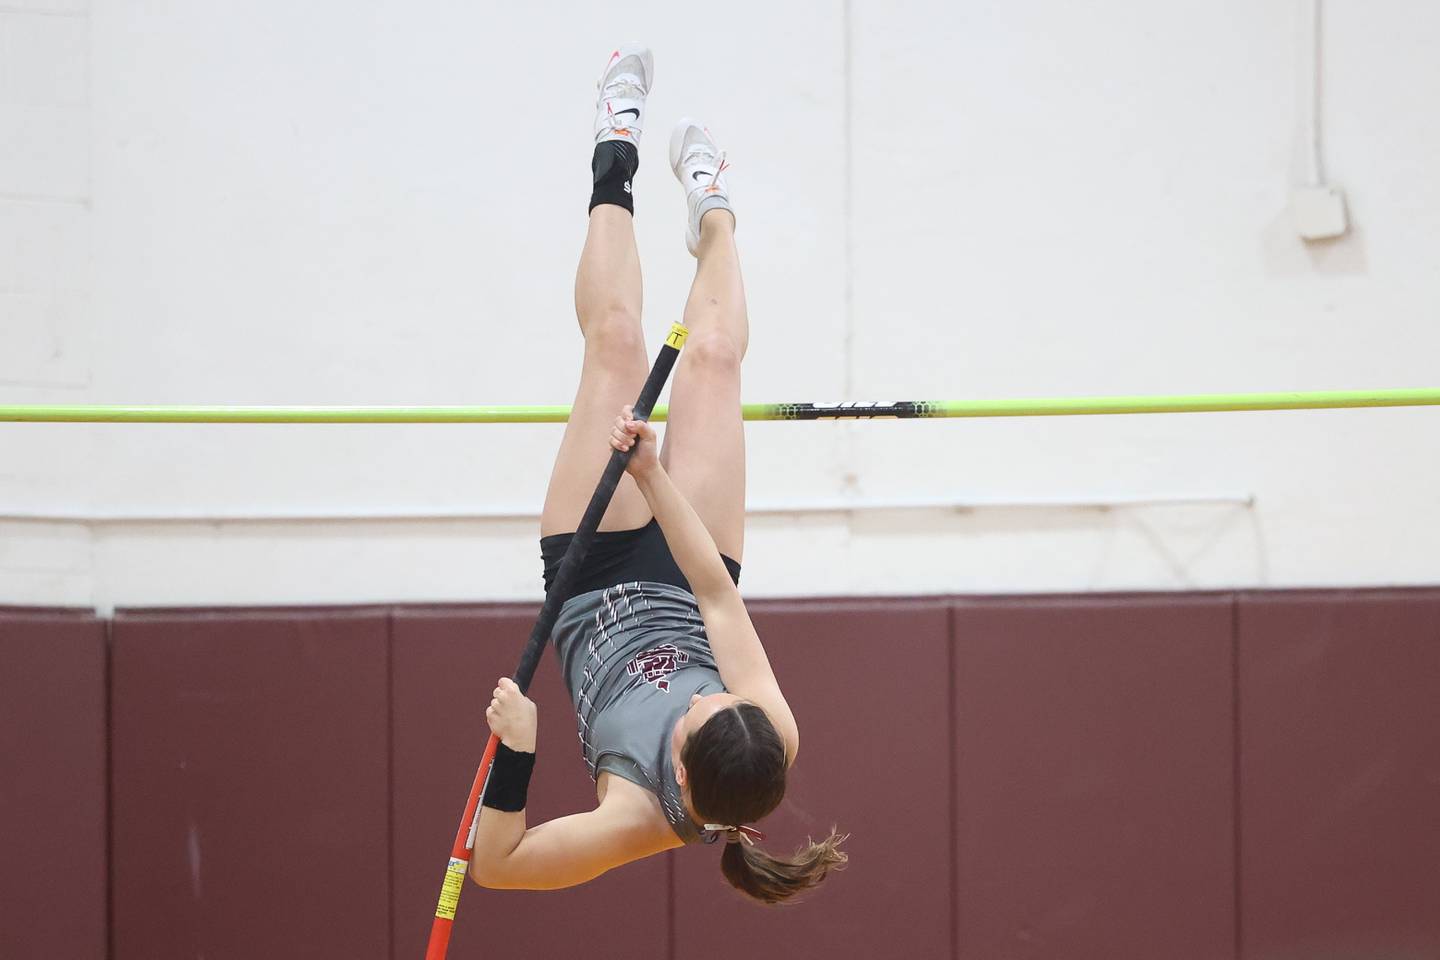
column 560, row 590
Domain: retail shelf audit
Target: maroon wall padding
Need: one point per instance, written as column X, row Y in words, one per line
column 250, row 800
column 1024, row 777
column 446, row 663
column 1095, row 770
column 53, row 867
column 868, row 682
column 1340, row 764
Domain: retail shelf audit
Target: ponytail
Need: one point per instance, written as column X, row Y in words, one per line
column 736, row 765
column 770, row 880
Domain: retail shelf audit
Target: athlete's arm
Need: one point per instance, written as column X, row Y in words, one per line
column 565, row 851
column 560, row 853
column 739, row 654
column 685, row 534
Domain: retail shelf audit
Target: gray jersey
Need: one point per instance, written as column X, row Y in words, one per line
column 632, row 655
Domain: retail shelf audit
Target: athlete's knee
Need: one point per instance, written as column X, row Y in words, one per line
column 715, row 352
column 614, row 336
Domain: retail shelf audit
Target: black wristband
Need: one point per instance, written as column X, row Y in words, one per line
column 509, row 780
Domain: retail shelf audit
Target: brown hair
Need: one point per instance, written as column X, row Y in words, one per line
column 735, row 770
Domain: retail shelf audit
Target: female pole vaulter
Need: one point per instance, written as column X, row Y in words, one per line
column 683, row 725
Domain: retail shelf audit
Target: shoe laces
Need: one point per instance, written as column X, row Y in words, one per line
column 623, row 87
column 626, row 86
column 611, row 122
column 704, row 153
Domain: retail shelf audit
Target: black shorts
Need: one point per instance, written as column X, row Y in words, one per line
column 620, row 556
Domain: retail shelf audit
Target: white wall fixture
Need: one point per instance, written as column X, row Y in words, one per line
column 1317, row 207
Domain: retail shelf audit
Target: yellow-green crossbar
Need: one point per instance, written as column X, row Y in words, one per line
column 900, row 409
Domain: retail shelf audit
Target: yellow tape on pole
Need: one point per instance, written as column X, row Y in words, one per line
column 450, row 889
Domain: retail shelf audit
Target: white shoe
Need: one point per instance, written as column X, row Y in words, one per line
column 620, row 105
column 700, row 167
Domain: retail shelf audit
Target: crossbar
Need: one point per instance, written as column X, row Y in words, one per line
column 877, row 410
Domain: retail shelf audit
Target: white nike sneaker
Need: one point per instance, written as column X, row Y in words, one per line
column 700, row 167
column 620, row 106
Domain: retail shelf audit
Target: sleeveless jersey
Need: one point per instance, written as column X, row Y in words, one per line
column 631, row 656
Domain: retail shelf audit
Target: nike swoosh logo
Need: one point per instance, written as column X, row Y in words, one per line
column 702, row 173
column 630, row 110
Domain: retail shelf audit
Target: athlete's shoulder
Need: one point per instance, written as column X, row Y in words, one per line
column 629, row 808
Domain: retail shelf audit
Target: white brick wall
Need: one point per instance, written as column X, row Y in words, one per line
column 45, row 219
column 46, row 280
column 54, row 8
column 44, row 246
column 46, row 340
column 284, row 203
column 46, row 564
column 44, row 60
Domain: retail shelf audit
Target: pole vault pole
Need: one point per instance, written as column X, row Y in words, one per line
column 559, row 592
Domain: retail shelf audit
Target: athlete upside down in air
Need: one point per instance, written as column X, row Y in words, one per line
column 683, row 724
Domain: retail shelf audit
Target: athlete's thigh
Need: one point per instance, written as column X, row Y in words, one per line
column 704, row 450
column 585, row 449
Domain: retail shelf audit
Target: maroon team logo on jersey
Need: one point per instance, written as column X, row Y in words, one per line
column 656, row 664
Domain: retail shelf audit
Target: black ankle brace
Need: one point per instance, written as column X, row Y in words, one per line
column 612, row 168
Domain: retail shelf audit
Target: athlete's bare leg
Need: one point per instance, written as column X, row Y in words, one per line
column 607, row 301
column 704, row 449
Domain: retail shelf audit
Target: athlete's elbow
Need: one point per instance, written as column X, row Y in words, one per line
column 714, row 589
column 490, row 873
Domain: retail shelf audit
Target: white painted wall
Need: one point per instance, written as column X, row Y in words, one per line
column 383, row 202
